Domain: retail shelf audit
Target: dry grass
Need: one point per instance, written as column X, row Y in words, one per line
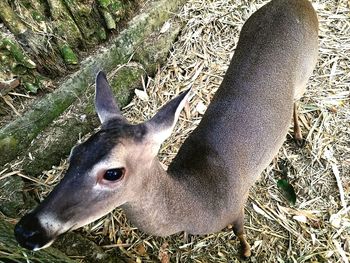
column 317, row 228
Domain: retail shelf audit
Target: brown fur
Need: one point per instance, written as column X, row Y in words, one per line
column 207, row 184
column 243, row 128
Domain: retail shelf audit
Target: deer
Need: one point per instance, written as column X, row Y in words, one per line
column 206, row 185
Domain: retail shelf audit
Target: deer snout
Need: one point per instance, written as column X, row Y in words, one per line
column 30, row 234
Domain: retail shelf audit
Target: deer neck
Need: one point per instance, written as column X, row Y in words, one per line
column 155, row 209
column 174, row 200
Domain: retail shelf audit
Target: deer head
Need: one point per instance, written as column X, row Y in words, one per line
column 106, row 171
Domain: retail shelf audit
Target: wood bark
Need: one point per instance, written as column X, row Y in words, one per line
column 51, row 35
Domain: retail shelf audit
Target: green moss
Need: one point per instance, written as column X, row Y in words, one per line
column 101, row 33
column 154, row 53
column 64, row 25
column 109, row 20
column 30, row 87
column 86, row 18
column 7, row 143
column 27, row 127
column 37, row 16
column 90, row 109
column 104, row 3
column 10, row 19
column 116, row 6
column 11, row 201
column 14, row 61
column 17, row 52
column 57, row 142
column 67, row 29
column 19, row 69
column 4, row 59
column 113, row 11
column 32, row 81
column 124, row 81
column 68, row 55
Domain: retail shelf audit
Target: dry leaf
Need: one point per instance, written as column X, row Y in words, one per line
column 201, row 108
column 165, row 27
column 261, row 212
column 300, row 218
column 187, row 110
column 313, row 238
column 141, row 94
column 163, row 253
column 341, row 251
column 335, row 220
column 141, row 250
column 257, row 243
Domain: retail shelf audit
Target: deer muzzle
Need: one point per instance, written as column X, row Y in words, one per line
column 31, row 234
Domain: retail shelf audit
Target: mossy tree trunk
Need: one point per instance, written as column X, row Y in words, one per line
column 52, row 33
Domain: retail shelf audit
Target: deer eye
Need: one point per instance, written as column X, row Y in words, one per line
column 114, row 174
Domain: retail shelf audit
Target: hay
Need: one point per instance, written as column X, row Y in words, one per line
column 317, row 228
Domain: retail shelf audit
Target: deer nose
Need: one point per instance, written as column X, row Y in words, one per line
column 30, row 234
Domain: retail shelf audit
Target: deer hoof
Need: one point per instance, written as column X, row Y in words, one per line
column 245, row 246
column 246, row 253
column 300, row 142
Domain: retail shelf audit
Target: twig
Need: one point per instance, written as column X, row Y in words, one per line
column 341, row 251
column 8, row 174
column 31, row 179
column 339, row 183
column 8, row 102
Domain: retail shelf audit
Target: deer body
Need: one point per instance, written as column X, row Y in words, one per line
column 207, row 184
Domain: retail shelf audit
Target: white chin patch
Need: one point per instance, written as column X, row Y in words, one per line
column 47, row 245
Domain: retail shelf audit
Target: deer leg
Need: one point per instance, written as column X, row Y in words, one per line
column 238, row 229
column 298, row 137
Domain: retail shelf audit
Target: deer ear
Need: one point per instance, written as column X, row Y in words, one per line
column 106, row 106
column 163, row 123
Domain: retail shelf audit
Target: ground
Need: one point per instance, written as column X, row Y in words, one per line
column 317, row 227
